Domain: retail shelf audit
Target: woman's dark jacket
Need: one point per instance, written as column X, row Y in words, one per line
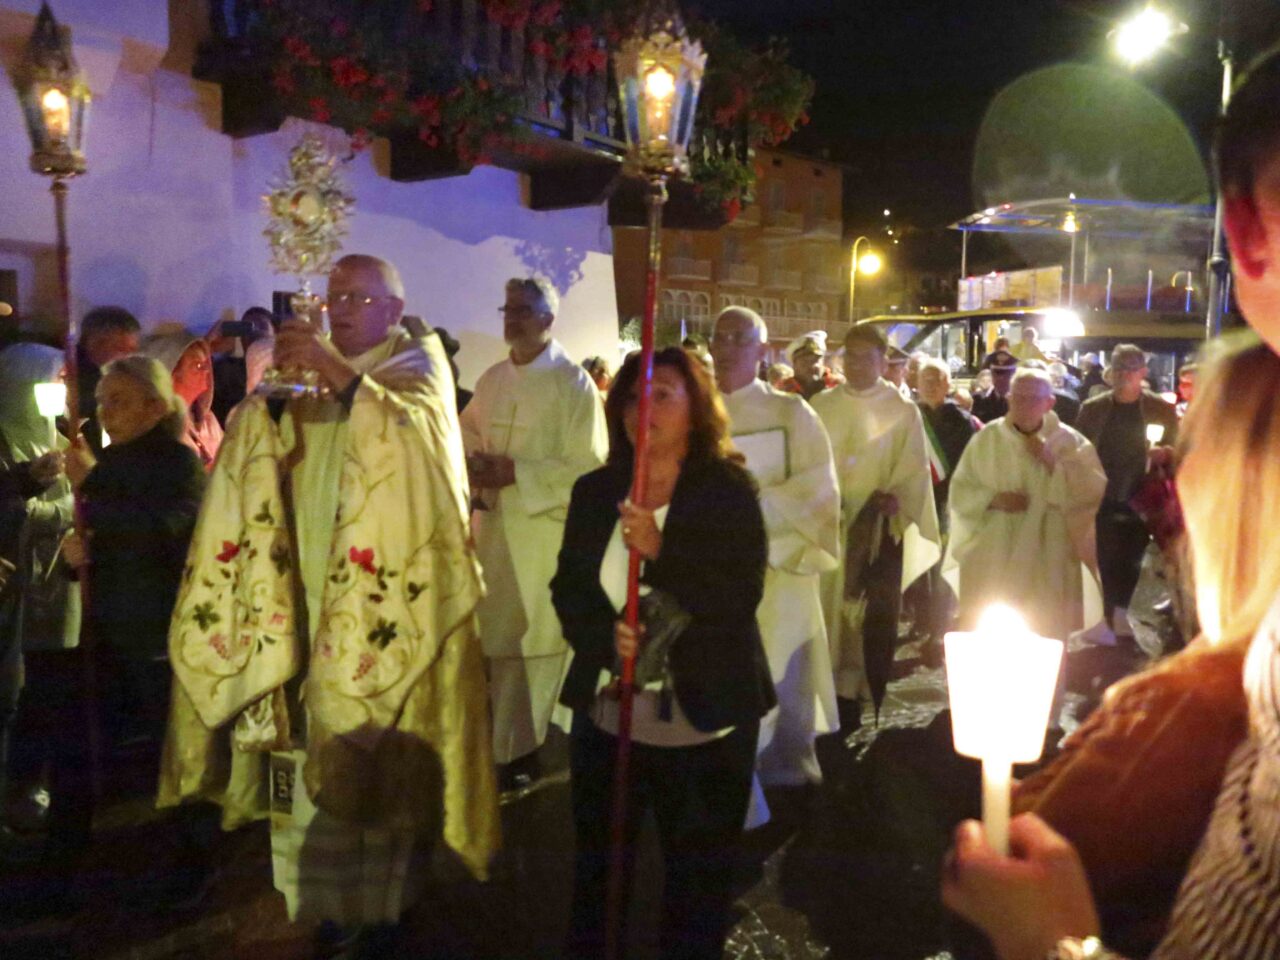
column 713, row 558
column 140, row 502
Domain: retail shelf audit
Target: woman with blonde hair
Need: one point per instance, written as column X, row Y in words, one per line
column 1182, row 759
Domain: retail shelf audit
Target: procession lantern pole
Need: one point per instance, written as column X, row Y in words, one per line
column 659, row 71
column 55, row 104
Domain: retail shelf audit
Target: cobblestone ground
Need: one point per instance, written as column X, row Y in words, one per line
column 845, row 870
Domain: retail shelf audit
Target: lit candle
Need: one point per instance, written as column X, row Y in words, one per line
column 57, row 113
column 1001, row 680
column 51, row 400
column 1155, row 433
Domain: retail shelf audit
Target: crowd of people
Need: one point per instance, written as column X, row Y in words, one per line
column 359, row 614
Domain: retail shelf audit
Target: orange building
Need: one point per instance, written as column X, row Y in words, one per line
column 783, row 257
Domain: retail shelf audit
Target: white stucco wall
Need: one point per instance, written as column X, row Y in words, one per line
column 168, row 222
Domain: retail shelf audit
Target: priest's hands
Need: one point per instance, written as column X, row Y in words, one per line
column 1010, row 501
column 1025, row 902
column 639, row 530
column 886, row 503
column 300, row 344
column 490, row 471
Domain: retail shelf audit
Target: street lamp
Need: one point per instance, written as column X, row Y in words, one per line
column 1141, row 37
column 659, row 71
column 869, row 264
column 1137, row 40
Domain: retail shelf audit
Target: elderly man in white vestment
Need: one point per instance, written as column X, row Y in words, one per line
column 534, row 426
column 788, row 454
column 889, row 527
column 1023, row 499
column 327, row 618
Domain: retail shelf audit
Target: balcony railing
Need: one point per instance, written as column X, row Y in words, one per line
column 739, row 274
column 783, row 279
column 577, row 119
column 819, row 228
column 685, row 268
column 783, row 222
column 824, row 283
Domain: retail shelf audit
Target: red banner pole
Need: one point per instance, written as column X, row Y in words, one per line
column 71, row 360
column 655, row 198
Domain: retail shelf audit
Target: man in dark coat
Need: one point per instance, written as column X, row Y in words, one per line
column 1116, row 423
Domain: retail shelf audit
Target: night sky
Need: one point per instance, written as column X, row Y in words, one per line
column 902, row 86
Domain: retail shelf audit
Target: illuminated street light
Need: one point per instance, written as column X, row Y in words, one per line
column 1142, row 36
column 1137, row 40
column 868, row 265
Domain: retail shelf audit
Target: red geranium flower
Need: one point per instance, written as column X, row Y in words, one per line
column 320, row 111
column 362, row 559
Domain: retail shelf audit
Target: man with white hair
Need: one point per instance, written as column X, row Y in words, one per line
column 326, row 619
column 788, row 453
column 1022, row 503
column 534, row 425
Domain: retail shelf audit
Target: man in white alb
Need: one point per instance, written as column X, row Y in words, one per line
column 788, row 454
column 1022, row 501
column 534, row 426
column 889, row 527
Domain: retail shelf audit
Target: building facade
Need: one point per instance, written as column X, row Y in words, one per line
column 783, row 256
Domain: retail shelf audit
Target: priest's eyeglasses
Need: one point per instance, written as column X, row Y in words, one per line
column 353, row 300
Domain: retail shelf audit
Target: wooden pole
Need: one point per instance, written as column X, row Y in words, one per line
column 655, row 198
column 70, row 340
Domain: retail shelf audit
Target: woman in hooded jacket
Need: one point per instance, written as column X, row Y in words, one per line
column 189, row 361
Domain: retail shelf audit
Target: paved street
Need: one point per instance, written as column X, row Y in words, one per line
column 848, row 870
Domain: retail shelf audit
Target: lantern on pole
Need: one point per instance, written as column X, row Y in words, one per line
column 659, row 72
column 1001, row 679
column 55, row 103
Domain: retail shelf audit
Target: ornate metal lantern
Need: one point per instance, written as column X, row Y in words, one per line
column 55, row 99
column 659, row 70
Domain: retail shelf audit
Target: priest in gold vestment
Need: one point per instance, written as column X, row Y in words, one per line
column 326, row 622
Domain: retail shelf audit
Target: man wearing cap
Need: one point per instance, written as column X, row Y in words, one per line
column 1116, row 423
column 994, row 405
column 805, row 354
column 789, row 455
column 889, row 526
column 895, row 371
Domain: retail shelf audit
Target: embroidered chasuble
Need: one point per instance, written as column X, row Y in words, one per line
column 355, row 649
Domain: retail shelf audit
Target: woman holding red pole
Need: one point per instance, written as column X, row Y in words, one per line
column 702, row 678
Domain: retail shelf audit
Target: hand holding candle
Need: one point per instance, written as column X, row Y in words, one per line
column 1001, row 680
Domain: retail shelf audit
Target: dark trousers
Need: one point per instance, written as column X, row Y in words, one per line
column 1122, row 540
column 698, row 796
